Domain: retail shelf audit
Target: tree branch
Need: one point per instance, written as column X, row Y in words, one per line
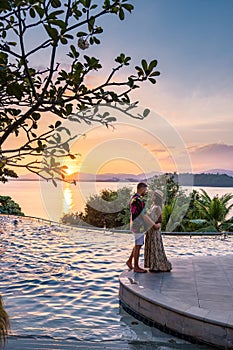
column 23, row 54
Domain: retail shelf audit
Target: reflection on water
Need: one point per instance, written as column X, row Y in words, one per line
column 63, row 283
column 67, row 199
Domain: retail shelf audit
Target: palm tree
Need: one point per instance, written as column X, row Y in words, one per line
column 4, row 324
column 173, row 214
column 213, row 212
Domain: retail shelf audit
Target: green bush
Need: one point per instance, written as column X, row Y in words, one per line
column 108, row 209
column 8, row 206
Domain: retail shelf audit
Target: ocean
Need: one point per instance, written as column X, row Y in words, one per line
column 43, row 199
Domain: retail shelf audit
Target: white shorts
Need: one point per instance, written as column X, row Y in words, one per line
column 139, row 238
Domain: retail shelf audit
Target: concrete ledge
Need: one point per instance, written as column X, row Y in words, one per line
column 172, row 301
column 19, row 343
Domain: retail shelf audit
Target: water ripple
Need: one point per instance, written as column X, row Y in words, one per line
column 63, row 283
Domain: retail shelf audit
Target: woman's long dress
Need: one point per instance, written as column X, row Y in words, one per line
column 154, row 255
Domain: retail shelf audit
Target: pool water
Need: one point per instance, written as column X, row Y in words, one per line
column 62, row 283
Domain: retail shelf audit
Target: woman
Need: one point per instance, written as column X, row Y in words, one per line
column 154, row 256
column 4, row 324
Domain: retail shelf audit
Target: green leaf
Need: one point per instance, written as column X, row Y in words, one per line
column 74, row 51
column 65, row 129
column 3, row 58
column 128, row 7
column 36, row 116
column 127, row 59
column 106, row 114
column 140, row 71
column 114, row 9
column 146, row 112
column 54, row 182
column 16, row 90
column 39, row 143
column 110, row 119
column 121, row 14
column 154, row 74
column 12, row 43
column 57, row 22
column 98, row 30
column 77, row 14
column 91, row 24
column 66, row 147
column 106, row 4
column 32, row 12
column 153, row 64
column 68, row 36
column 80, row 34
column 54, row 14
column 55, row 3
column 5, row 5
column 52, row 32
column 144, row 65
column 88, row 3
column 40, row 11
column 96, row 40
column 63, row 40
column 93, row 7
column 69, row 109
column 13, row 111
column 57, row 124
column 153, row 81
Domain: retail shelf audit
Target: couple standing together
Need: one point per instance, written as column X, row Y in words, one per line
column 147, row 223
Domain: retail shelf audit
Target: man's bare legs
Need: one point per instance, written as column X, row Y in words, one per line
column 135, row 255
column 129, row 262
column 137, row 268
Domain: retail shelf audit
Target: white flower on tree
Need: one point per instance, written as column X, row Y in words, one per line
column 83, row 44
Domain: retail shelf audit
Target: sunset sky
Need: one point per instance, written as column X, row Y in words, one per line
column 192, row 41
column 190, row 125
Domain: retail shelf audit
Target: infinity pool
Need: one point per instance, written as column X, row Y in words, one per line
column 62, row 283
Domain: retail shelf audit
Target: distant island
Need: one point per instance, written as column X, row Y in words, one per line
column 205, row 180
column 219, row 178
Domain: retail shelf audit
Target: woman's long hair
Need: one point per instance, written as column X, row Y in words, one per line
column 158, row 198
column 4, row 324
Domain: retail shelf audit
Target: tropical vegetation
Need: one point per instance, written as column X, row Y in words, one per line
column 9, row 206
column 109, row 209
column 211, row 213
column 181, row 212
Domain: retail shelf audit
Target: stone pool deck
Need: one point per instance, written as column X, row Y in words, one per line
column 15, row 343
column 193, row 301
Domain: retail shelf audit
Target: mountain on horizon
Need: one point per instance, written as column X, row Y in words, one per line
column 110, row 176
column 219, row 171
column 118, row 176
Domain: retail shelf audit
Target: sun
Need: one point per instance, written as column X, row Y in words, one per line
column 72, row 167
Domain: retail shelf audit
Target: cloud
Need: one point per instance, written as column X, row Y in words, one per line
column 216, row 155
column 158, row 150
column 213, row 149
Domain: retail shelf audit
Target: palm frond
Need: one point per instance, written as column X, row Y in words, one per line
column 209, row 228
column 205, row 196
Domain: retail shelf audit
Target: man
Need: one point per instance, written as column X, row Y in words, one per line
column 139, row 224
